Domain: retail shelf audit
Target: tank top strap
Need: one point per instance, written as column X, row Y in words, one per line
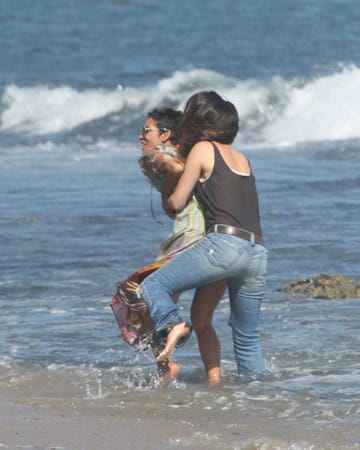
column 219, row 162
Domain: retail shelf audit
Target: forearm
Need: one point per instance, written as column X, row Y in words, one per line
column 184, row 189
column 179, row 198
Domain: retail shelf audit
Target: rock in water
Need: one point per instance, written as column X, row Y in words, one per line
column 325, row 286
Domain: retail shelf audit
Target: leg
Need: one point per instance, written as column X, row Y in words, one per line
column 176, row 332
column 214, row 258
column 246, row 294
column 167, row 369
column 192, row 268
column 205, row 301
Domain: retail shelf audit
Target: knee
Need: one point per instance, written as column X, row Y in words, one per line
column 200, row 322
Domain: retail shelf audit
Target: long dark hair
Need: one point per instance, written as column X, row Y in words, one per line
column 207, row 116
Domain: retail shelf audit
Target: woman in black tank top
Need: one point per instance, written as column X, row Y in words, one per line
column 233, row 248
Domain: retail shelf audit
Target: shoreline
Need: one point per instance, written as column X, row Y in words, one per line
column 81, row 424
column 124, row 422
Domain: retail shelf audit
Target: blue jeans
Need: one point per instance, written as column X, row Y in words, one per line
column 217, row 256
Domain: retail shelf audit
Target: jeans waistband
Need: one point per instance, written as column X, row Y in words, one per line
column 235, row 231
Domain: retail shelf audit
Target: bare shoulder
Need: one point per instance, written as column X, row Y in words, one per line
column 203, row 145
column 202, row 155
column 202, row 149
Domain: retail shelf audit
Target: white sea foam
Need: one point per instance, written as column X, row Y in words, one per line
column 325, row 108
column 275, row 111
column 39, row 110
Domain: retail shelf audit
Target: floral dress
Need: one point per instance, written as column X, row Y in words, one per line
column 130, row 311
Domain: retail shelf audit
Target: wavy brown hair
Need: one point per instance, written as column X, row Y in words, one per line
column 208, row 117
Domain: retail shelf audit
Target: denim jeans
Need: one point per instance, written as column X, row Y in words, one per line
column 217, row 256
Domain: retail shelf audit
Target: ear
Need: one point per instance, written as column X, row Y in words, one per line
column 165, row 136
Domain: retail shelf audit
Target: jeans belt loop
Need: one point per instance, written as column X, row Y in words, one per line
column 252, row 238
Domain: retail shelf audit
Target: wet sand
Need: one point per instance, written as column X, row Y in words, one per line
column 124, row 422
column 91, row 425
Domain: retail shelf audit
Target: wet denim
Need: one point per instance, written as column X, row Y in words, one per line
column 216, row 257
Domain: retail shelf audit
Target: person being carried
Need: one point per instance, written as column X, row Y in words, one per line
column 163, row 164
column 233, row 248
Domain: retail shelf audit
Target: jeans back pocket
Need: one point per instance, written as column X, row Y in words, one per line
column 224, row 250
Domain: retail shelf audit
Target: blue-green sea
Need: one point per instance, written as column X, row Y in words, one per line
column 77, row 79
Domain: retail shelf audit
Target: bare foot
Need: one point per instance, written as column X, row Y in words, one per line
column 171, row 373
column 214, row 376
column 178, row 331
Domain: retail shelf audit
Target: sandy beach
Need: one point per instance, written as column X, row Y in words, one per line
column 31, row 421
column 93, row 425
column 77, row 81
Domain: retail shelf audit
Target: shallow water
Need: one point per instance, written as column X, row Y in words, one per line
column 75, row 209
column 74, row 229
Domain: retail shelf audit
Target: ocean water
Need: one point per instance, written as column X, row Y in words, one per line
column 77, row 79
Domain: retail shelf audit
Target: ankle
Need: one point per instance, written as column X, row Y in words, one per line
column 214, row 376
column 168, row 373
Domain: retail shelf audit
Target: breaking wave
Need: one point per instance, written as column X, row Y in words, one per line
column 275, row 111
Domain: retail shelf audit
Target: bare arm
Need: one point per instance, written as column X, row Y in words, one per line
column 198, row 164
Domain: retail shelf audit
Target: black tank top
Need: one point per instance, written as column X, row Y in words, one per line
column 229, row 198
